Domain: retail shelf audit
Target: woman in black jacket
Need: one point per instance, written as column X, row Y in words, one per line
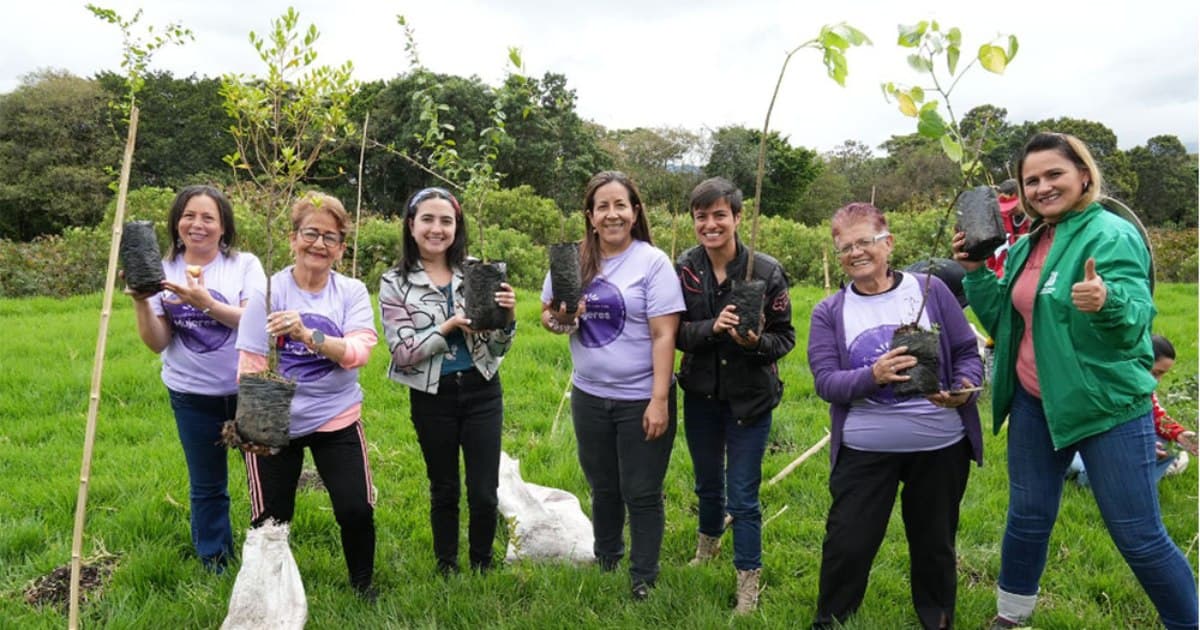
column 730, row 381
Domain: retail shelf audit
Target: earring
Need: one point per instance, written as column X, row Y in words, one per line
column 1087, row 185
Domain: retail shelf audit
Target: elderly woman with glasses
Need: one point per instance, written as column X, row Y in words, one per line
column 882, row 441
column 325, row 328
column 453, row 371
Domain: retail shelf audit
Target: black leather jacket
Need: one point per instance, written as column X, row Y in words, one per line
column 716, row 367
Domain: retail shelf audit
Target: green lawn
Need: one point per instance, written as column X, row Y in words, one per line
column 138, row 502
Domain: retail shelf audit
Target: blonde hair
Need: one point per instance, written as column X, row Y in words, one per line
column 320, row 202
column 1074, row 150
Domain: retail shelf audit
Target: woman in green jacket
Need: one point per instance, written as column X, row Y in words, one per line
column 1071, row 318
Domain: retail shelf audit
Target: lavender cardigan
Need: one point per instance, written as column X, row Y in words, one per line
column 839, row 384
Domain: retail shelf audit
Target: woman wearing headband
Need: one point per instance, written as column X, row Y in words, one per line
column 456, row 400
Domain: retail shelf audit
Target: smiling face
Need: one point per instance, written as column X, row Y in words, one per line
column 866, row 261
column 1053, row 185
column 716, row 227
column 433, row 226
column 612, row 217
column 319, row 255
column 200, row 226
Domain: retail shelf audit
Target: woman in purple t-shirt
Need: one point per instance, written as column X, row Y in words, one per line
column 328, row 328
column 881, row 439
column 192, row 323
column 623, row 350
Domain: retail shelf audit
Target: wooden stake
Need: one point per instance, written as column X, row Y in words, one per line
column 362, row 152
column 89, row 436
column 787, row 470
column 562, row 401
column 825, row 267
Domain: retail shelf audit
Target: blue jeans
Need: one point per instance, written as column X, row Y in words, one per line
column 198, row 419
column 1078, row 470
column 1120, row 465
column 727, row 457
column 625, row 472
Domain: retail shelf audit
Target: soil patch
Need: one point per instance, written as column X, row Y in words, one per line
column 54, row 588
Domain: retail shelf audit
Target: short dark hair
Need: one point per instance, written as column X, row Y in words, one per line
column 708, row 192
column 224, row 210
column 1007, row 187
column 1162, row 347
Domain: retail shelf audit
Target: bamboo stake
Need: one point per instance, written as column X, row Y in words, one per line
column 362, row 152
column 89, row 439
column 825, row 268
column 561, row 402
column 787, row 470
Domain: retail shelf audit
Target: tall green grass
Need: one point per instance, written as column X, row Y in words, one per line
column 138, row 502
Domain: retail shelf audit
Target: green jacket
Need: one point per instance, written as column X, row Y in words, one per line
column 1093, row 368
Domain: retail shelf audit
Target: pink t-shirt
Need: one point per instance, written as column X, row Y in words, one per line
column 1024, row 293
column 201, row 358
column 611, row 351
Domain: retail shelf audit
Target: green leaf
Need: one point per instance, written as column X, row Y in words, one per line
column 917, row 94
column 952, row 54
column 930, row 123
column 1012, row 47
column 853, row 35
column 514, row 56
column 952, row 149
column 835, row 64
column 830, row 39
column 919, row 63
column 992, row 58
column 907, row 106
column 910, row 36
column 955, row 37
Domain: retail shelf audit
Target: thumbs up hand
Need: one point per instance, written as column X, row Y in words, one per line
column 1089, row 295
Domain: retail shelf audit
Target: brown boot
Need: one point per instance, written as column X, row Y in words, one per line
column 747, row 591
column 706, row 549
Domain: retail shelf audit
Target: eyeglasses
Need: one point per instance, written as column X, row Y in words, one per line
column 862, row 244
column 310, row 235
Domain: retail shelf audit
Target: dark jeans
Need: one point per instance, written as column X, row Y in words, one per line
column 1120, row 464
column 341, row 460
column 863, row 485
column 727, row 456
column 625, row 472
column 467, row 413
column 198, row 419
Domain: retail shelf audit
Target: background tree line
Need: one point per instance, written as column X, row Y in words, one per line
column 59, row 140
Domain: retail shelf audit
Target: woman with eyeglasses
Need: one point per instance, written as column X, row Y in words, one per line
column 1072, row 317
column 325, row 328
column 882, row 442
column 456, row 400
column 193, row 323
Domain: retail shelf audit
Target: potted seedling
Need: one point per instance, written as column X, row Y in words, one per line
column 282, row 124
column 976, row 208
column 833, row 40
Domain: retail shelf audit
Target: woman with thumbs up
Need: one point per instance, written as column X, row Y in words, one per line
column 1071, row 318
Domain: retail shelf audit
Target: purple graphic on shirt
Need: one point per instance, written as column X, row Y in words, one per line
column 866, row 348
column 199, row 332
column 604, row 317
column 299, row 363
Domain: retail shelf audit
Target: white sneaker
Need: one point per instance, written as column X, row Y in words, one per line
column 1179, row 465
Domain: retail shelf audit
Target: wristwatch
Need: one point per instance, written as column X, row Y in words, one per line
column 318, row 338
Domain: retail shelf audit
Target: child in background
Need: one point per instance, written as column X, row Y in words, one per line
column 1164, row 425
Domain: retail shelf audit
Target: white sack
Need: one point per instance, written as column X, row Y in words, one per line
column 550, row 524
column 268, row 592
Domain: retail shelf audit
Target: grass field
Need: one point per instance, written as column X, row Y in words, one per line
column 138, row 510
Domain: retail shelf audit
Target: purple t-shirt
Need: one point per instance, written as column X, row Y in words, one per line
column 201, row 358
column 611, row 350
column 324, row 389
column 884, row 422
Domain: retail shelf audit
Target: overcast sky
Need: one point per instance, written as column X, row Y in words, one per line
column 696, row 63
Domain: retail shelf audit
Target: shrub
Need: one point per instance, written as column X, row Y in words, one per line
column 1175, row 256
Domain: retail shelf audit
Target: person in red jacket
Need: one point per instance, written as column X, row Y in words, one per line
column 1016, row 223
column 1172, row 432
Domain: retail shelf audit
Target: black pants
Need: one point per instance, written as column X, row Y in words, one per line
column 625, row 472
column 863, row 485
column 467, row 413
column 341, row 459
